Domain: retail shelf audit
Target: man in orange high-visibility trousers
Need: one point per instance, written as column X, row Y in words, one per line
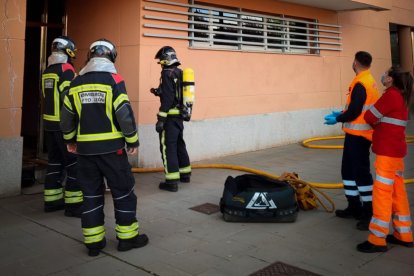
column 355, row 170
column 389, row 118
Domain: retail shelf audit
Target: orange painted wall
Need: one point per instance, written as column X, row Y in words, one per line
column 12, row 35
column 234, row 83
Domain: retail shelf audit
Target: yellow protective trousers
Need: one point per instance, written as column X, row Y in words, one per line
column 389, row 200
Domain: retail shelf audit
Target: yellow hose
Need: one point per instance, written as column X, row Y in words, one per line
column 305, row 143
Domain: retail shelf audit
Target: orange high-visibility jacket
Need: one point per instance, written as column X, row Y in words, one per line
column 359, row 126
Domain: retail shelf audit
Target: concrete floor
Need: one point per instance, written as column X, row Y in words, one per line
column 186, row 242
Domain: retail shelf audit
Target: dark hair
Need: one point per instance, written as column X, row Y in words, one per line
column 403, row 81
column 363, row 58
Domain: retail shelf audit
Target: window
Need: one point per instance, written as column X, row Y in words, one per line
column 207, row 26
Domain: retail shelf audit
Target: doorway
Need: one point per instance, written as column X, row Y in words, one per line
column 46, row 19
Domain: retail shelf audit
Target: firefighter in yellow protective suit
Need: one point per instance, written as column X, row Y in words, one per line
column 55, row 82
column 170, row 123
column 98, row 123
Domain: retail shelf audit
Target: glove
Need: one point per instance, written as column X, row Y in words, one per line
column 333, row 114
column 159, row 126
column 155, row 91
column 336, row 113
column 330, row 120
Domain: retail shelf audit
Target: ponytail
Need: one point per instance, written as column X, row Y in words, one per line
column 403, row 81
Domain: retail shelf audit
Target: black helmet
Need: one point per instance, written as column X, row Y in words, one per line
column 102, row 48
column 65, row 45
column 167, row 56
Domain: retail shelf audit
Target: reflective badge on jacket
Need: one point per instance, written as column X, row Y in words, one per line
column 92, row 97
column 49, row 83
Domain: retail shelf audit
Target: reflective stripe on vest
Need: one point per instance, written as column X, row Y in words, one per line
column 388, row 120
column 103, row 88
column 359, row 126
column 55, row 117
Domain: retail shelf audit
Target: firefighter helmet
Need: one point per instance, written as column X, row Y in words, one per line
column 167, row 56
column 103, row 48
column 65, row 45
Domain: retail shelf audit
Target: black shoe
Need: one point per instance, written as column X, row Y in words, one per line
column 368, row 247
column 185, row 179
column 95, row 248
column 363, row 224
column 135, row 242
column 53, row 207
column 171, row 187
column 348, row 213
column 394, row 240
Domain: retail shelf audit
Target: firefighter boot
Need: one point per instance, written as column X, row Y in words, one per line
column 368, row 247
column 394, row 240
column 136, row 242
column 96, row 247
column 354, row 209
column 366, row 215
column 170, row 186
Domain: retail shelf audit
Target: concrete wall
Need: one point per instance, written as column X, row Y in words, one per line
column 12, row 35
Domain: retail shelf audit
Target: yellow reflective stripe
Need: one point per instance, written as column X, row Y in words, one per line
column 55, row 117
column 70, row 135
column 49, row 192
column 51, row 118
column 185, row 169
column 72, row 200
column 67, row 103
column 77, row 102
column 63, row 85
column 93, row 239
column 90, row 87
column 125, row 236
column 73, row 197
column 172, row 176
column 132, row 139
column 98, row 136
column 93, row 230
column 53, row 194
column 53, row 197
column 128, row 228
column 164, row 151
column 109, row 111
column 121, row 98
column 127, row 232
column 72, row 194
column 174, row 111
column 162, row 114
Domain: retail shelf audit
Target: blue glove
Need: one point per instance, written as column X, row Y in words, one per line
column 330, row 120
column 336, row 113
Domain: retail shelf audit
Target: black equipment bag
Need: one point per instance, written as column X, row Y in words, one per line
column 255, row 198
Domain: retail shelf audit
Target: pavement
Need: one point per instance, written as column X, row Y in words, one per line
column 186, row 242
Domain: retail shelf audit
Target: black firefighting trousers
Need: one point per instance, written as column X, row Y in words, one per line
column 173, row 150
column 116, row 169
column 59, row 159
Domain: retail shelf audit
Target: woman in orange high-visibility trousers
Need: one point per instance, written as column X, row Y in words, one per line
column 389, row 117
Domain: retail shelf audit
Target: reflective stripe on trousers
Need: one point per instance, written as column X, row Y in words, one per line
column 389, row 200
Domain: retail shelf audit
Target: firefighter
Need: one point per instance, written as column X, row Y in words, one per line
column 356, row 175
column 170, row 125
column 97, row 122
column 389, row 117
column 55, row 82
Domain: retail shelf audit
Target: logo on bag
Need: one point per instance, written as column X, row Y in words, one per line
column 260, row 201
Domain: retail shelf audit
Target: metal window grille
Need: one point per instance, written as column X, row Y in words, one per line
column 206, row 26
